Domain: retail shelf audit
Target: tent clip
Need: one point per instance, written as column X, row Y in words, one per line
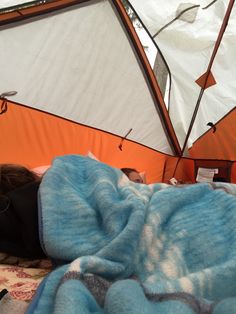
column 212, row 125
column 3, row 106
column 123, row 138
column 4, row 100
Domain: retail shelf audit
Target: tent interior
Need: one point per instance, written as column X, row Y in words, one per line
column 76, row 79
column 81, row 82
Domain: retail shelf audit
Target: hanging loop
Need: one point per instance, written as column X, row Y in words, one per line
column 3, row 106
column 123, row 138
column 4, row 100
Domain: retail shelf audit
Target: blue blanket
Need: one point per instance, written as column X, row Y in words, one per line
column 134, row 248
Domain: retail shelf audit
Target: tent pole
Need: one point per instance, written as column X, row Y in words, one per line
column 150, row 77
column 207, row 74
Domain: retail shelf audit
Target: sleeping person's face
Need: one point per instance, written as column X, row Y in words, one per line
column 135, row 177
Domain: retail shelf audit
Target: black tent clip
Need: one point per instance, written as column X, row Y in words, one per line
column 212, row 125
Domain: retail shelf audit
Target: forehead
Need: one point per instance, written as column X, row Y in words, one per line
column 135, row 176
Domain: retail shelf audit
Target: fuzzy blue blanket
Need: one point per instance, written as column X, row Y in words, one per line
column 134, row 248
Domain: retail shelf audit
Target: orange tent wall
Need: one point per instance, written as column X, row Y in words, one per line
column 221, row 143
column 182, row 169
column 233, row 173
column 33, row 138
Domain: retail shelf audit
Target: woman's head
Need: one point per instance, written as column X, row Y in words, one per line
column 133, row 175
column 13, row 176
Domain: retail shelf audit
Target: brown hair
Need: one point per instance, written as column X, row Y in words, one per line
column 13, row 176
column 127, row 171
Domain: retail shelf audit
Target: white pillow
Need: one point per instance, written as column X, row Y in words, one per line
column 41, row 169
column 91, row 155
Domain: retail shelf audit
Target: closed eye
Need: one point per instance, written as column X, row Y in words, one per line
column 138, row 181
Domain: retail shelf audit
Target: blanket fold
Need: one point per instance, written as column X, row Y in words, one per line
column 150, row 248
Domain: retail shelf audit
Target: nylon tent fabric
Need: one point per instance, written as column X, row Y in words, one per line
column 186, row 38
column 80, row 66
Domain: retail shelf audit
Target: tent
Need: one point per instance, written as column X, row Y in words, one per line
column 76, row 78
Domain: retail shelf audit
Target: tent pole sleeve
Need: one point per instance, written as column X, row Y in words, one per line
column 25, row 12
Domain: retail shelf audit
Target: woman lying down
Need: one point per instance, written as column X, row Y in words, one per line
column 178, row 244
column 19, row 209
column 19, row 212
